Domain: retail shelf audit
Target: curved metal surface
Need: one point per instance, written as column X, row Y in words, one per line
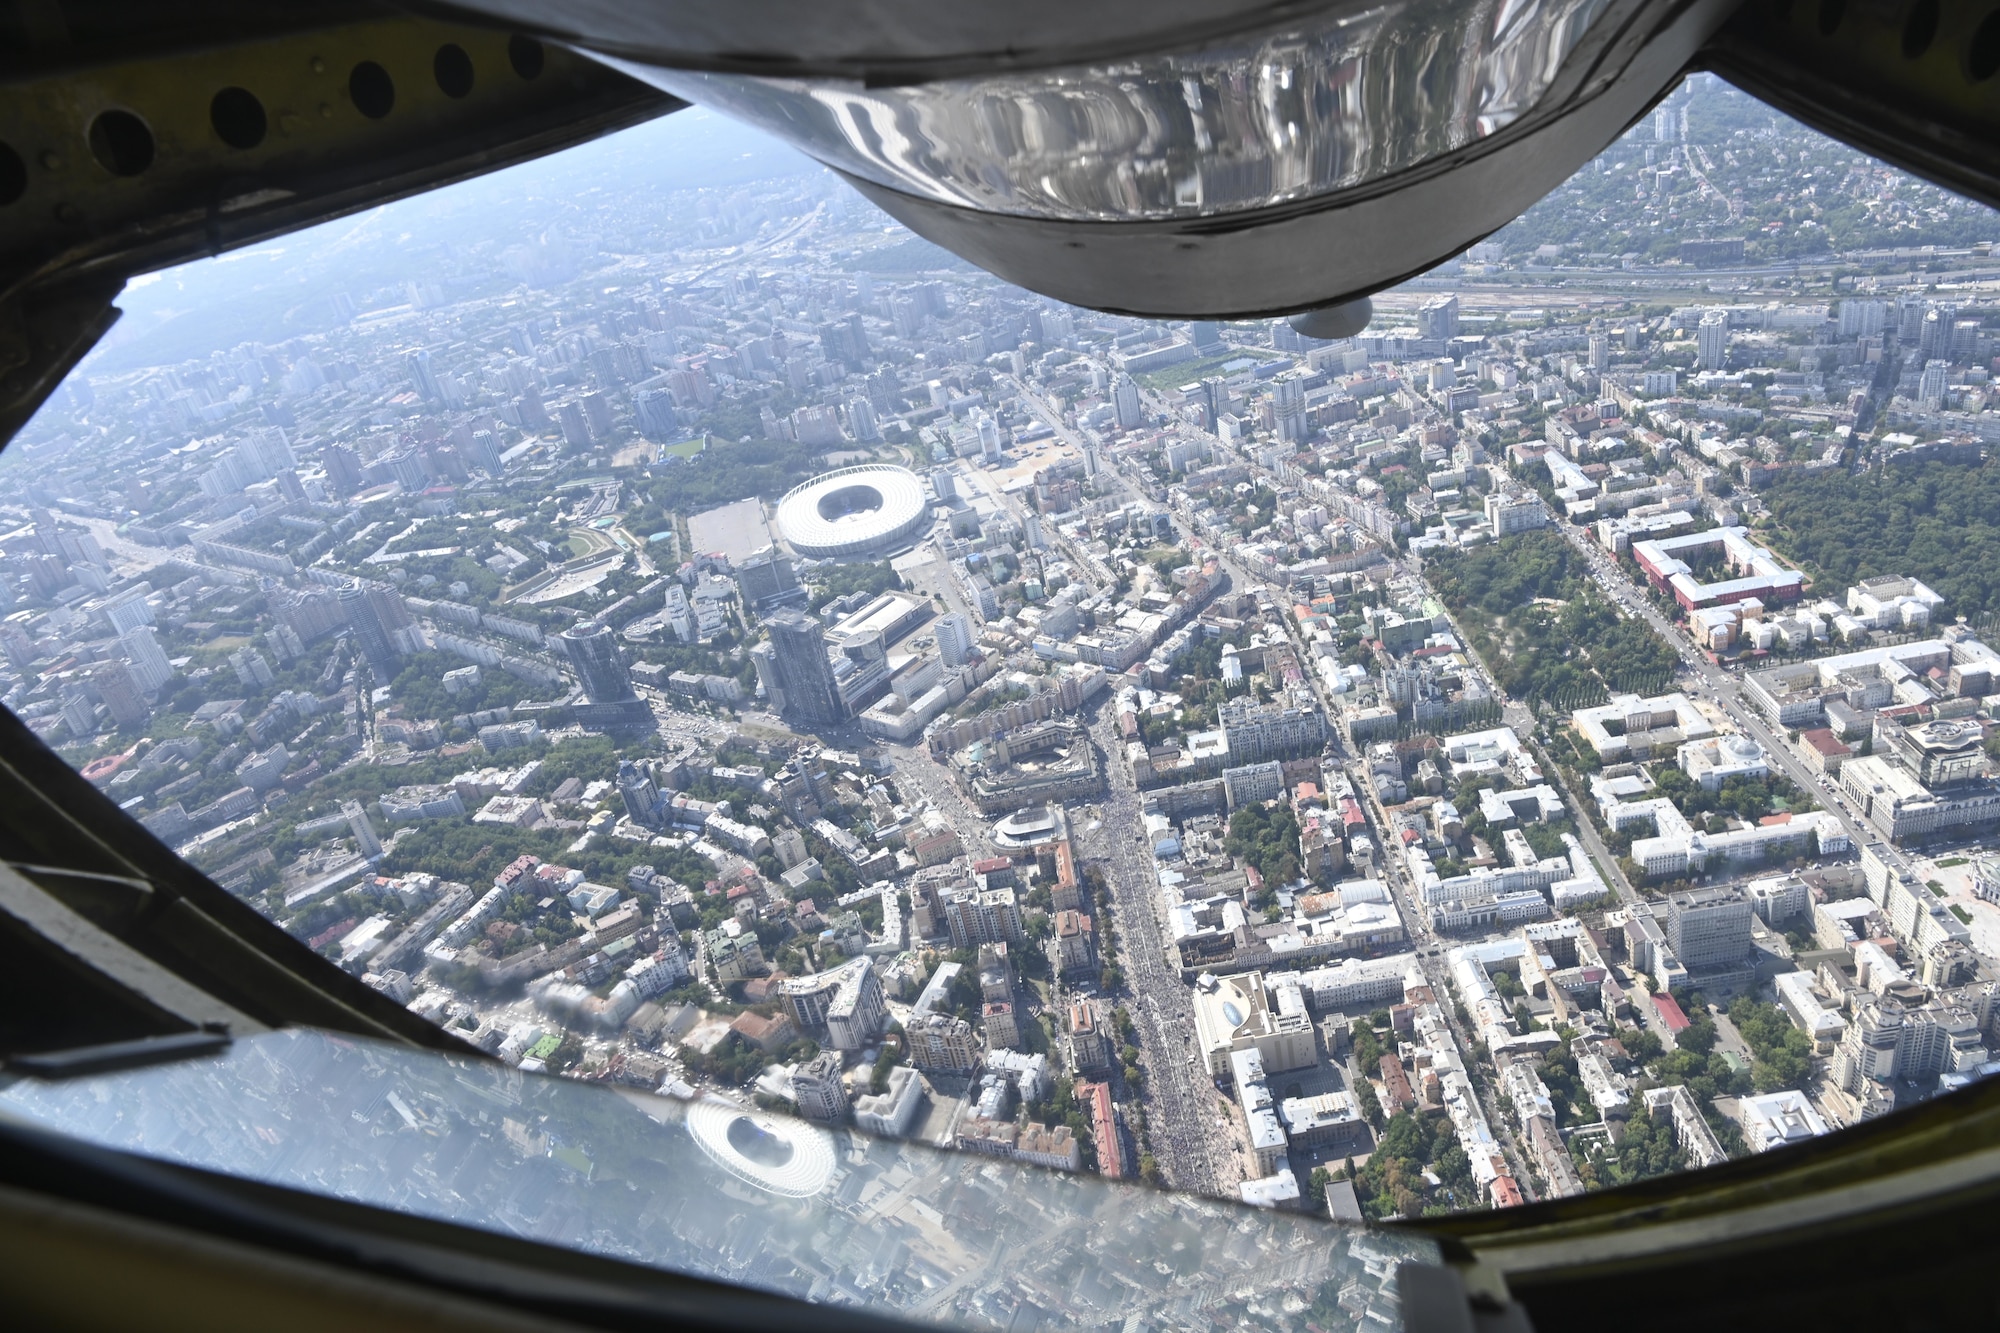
column 887, row 42
column 1287, row 114
column 1910, row 83
column 1326, row 248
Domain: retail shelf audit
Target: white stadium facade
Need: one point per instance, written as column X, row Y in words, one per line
column 854, row 511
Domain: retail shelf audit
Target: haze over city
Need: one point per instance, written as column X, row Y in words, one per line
column 654, row 615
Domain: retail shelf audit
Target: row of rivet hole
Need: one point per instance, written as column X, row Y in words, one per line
column 123, row 144
column 1920, row 26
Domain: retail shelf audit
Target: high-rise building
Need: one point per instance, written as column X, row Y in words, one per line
column 575, row 429
column 1861, row 318
column 398, row 625
column 654, row 411
column 1930, row 389
column 817, row 1088
column 767, row 578
column 365, row 840
column 1712, row 339
column 424, row 378
column 943, row 1045
column 842, row 1007
column 310, row 613
column 1600, row 352
column 1288, row 405
column 593, row 650
column 861, row 421
column 147, row 659
column 127, row 612
column 798, row 646
column 641, row 796
column 484, row 453
column 1934, row 333
column 1437, row 318
column 78, row 713
column 115, row 684
column 343, row 469
column 1709, row 928
column 764, row 660
column 370, row 636
column 407, row 467
column 1125, row 402
column 982, row 916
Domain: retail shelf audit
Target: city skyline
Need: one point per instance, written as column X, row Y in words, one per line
column 658, row 618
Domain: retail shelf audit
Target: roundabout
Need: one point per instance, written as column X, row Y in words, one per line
column 853, row 511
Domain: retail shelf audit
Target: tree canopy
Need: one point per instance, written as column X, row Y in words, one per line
column 1267, row 838
column 1938, row 522
column 1532, row 613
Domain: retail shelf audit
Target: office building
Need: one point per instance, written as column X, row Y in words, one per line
column 1709, row 928
column 1437, row 318
column 805, row 675
column 370, row 635
column 768, row 579
column 1125, row 403
column 120, row 691
column 954, row 638
column 147, row 659
column 593, row 650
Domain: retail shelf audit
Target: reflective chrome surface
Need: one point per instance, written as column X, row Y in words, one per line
column 724, row 1191
column 1324, row 105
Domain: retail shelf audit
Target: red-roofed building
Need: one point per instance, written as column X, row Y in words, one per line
column 1825, row 752
column 764, row 1033
column 331, row 933
column 1096, row 1099
column 990, row 864
column 1506, row 1194
column 1670, row 1014
column 1396, row 1088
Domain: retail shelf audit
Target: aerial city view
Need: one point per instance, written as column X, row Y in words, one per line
column 663, row 621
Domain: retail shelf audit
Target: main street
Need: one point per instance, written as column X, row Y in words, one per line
column 1181, row 1104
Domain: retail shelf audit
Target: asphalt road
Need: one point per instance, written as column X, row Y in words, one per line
column 1180, row 1101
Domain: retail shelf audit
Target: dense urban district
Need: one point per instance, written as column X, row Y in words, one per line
column 1542, row 742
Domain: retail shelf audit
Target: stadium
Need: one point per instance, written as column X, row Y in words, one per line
column 853, row 511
